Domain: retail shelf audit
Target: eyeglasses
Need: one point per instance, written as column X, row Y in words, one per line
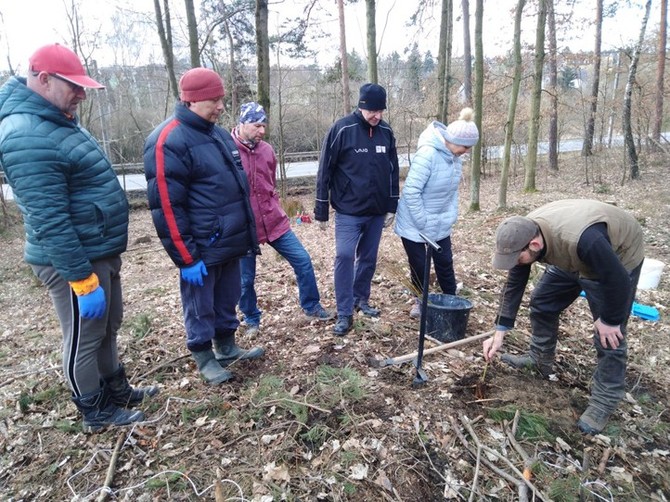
column 73, row 87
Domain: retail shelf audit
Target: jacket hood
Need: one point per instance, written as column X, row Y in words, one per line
column 15, row 98
column 431, row 137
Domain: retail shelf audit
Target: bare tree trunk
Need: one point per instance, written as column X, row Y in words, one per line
column 444, row 61
column 370, row 13
column 475, row 176
column 660, row 72
column 165, row 36
column 282, row 147
column 629, row 143
column 467, row 53
column 344, row 61
column 536, row 100
column 232, row 63
column 553, row 89
column 192, row 23
column 263, row 55
column 587, row 147
column 511, row 111
column 617, row 77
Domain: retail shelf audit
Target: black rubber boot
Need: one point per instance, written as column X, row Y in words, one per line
column 122, row 394
column 209, row 368
column 227, row 351
column 99, row 412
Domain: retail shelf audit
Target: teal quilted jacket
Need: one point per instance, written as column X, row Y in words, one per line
column 73, row 207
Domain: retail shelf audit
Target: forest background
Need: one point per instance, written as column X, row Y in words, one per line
column 285, row 55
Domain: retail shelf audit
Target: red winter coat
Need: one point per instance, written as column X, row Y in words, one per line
column 260, row 164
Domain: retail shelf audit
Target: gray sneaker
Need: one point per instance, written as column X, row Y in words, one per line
column 252, row 330
column 415, row 313
column 593, row 420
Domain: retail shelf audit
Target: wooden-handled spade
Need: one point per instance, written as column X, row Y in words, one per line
column 391, row 361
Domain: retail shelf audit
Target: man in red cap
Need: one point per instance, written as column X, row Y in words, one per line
column 76, row 223
column 199, row 199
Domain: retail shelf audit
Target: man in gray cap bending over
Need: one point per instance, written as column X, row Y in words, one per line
column 587, row 245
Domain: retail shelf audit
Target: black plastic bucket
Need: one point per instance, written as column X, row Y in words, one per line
column 447, row 316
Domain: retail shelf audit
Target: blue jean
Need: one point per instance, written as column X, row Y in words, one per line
column 211, row 307
column 356, row 246
column 290, row 247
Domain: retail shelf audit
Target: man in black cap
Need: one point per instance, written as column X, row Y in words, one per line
column 359, row 175
column 588, row 246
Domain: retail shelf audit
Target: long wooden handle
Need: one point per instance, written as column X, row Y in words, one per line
column 450, row 345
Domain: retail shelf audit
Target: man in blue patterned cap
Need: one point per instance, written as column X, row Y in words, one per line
column 272, row 224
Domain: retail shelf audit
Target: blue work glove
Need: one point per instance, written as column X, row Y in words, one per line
column 93, row 305
column 194, row 273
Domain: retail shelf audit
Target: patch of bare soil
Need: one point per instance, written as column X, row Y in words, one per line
column 314, row 419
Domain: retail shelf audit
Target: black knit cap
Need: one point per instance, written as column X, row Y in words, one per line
column 372, row 97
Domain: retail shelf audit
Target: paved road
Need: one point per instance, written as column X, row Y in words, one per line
column 136, row 182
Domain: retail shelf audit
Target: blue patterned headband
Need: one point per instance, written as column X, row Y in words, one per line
column 252, row 113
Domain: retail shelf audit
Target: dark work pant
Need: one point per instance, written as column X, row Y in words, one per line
column 443, row 263
column 211, row 307
column 89, row 345
column 555, row 291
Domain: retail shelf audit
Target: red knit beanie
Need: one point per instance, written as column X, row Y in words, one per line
column 200, row 84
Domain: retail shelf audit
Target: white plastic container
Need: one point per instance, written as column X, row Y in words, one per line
column 650, row 275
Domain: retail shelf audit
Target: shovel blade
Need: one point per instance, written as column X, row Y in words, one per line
column 420, row 378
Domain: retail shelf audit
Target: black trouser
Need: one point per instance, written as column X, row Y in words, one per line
column 555, row 291
column 443, row 262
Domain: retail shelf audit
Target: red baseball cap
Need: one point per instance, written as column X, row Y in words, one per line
column 61, row 61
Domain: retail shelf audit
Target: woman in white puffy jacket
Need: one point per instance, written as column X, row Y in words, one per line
column 429, row 199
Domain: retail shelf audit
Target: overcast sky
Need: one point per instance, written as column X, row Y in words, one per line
column 29, row 24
